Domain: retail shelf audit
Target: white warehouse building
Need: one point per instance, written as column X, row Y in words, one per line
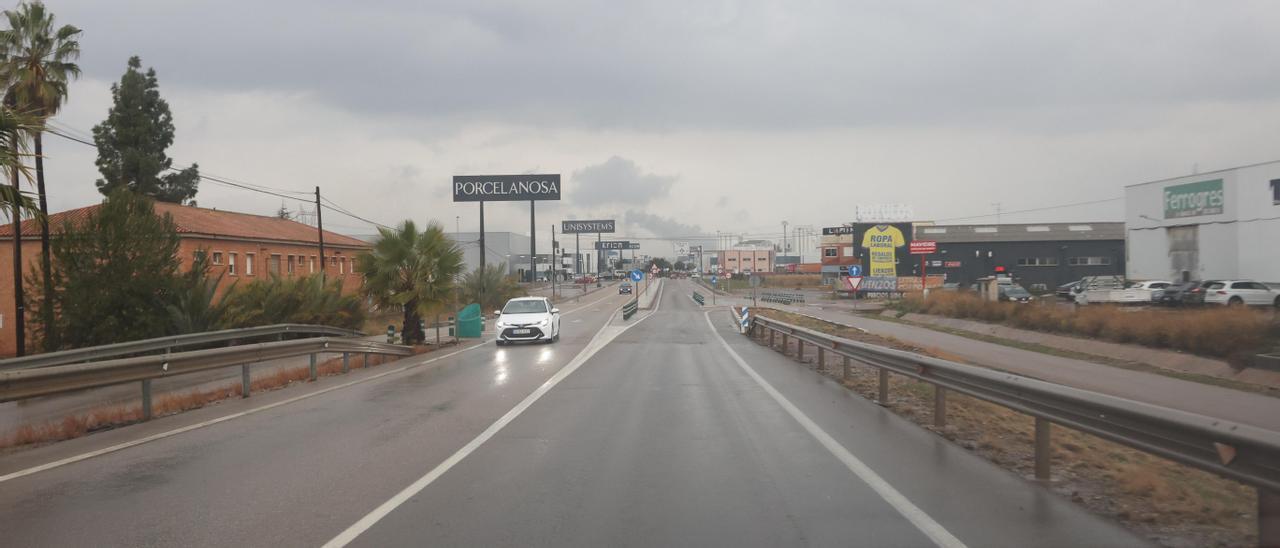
column 1219, row 225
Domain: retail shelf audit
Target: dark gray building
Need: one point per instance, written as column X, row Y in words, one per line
column 1039, row 256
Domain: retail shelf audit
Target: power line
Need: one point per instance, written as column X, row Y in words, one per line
column 240, row 185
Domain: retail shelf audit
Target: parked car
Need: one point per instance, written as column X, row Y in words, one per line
column 625, row 288
column 695, row 275
column 1015, row 293
column 1240, row 293
column 1067, row 291
column 1154, row 287
column 1182, row 293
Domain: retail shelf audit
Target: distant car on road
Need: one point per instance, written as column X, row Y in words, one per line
column 528, row 319
column 585, row 280
column 1240, row 293
column 695, row 275
column 625, row 288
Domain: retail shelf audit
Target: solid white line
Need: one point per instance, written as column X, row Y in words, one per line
column 598, row 342
column 211, row 422
column 935, row 531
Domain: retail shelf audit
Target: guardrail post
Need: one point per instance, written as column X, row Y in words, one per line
column 313, row 367
column 366, row 360
column 784, row 344
column 844, row 375
column 884, row 387
column 939, row 406
column 822, row 363
column 244, row 381
column 346, row 357
column 146, row 400
column 1268, row 517
column 1043, row 429
column 771, row 333
column 800, row 350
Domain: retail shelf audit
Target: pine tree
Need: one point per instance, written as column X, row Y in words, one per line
column 132, row 141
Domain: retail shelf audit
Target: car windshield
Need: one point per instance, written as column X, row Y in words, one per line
column 566, row 273
column 525, row 307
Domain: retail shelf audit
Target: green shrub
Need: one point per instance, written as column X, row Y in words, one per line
column 306, row 300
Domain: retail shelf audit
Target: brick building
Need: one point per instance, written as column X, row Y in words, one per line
column 240, row 247
column 746, row 258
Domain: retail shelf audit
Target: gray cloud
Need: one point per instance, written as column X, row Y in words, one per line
column 663, row 227
column 617, row 181
column 672, row 64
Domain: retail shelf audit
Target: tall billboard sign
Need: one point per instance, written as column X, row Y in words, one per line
column 588, row 227
column 505, row 188
column 882, row 247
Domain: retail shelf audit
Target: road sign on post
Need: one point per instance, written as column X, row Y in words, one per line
column 637, row 275
column 923, row 248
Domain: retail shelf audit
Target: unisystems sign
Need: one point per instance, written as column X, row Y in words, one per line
column 511, row 188
column 587, row 227
column 1193, row 199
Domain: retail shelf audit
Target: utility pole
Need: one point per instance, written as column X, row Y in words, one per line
column 784, row 238
column 483, row 252
column 320, row 233
column 997, row 205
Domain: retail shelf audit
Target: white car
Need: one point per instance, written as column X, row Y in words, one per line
column 1239, row 293
column 528, row 319
column 1153, row 289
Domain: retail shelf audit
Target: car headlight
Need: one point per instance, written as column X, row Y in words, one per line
column 545, row 322
column 499, row 324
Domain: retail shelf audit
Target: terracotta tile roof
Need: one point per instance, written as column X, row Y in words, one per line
column 198, row 221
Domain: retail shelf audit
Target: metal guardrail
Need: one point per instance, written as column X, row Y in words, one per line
column 56, row 379
column 1238, row 451
column 630, row 309
column 167, row 344
column 782, row 298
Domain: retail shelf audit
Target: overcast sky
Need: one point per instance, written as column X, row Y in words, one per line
column 683, row 117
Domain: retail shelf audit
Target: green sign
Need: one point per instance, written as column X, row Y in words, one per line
column 1193, row 199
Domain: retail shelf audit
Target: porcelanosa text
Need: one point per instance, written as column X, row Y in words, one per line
column 503, row 188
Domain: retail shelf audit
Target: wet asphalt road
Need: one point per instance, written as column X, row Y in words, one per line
column 661, row 438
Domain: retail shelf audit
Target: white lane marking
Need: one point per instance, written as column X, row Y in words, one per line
column 935, row 531
column 602, row 337
column 211, row 422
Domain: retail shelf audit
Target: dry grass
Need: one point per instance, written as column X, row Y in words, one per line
column 792, row 281
column 1219, row 332
column 74, row 426
column 1162, row 500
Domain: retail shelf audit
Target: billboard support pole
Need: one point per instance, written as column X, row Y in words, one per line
column 924, row 289
column 480, row 275
column 533, row 246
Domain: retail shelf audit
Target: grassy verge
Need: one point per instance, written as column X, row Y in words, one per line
column 1233, row 333
column 1093, row 358
column 106, row 418
column 1166, row 502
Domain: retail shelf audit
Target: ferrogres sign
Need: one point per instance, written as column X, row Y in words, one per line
column 587, row 227
column 497, row 188
column 1194, row 199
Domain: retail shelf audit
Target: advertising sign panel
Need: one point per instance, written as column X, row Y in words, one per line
column 613, row 244
column 1193, row 199
column 879, row 284
column 923, row 247
column 505, row 188
column 588, row 227
column 882, row 246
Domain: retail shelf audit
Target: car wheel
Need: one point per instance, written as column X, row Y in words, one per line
column 498, row 342
column 1235, row 301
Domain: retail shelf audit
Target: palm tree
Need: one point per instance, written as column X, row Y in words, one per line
column 491, row 287
column 36, row 61
column 411, row 269
column 18, row 204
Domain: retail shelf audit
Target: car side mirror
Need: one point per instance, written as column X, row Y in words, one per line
column 497, row 312
column 555, row 310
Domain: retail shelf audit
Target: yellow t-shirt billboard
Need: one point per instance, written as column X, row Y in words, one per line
column 882, row 242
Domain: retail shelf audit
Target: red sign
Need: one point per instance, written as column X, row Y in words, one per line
column 852, row 282
column 923, row 247
column 951, row 264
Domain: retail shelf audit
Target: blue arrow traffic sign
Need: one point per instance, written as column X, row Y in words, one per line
column 714, row 280
column 855, row 270
column 637, row 275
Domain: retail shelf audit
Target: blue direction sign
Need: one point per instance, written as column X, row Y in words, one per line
column 637, row 275
column 714, row 280
column 855, row 270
